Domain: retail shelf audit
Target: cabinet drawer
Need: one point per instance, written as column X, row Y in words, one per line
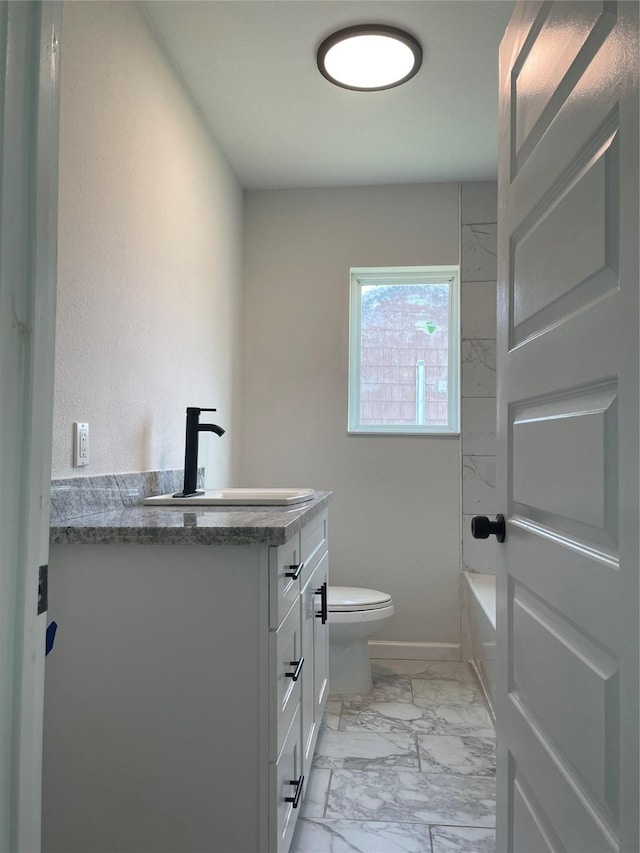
column 285, row 782
column 313, row 544
column 283, row 588
column 287, row 669
column 315, row 646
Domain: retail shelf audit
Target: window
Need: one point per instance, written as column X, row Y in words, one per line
column 403, row 350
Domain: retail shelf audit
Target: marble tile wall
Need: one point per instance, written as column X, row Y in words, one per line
column 478, row 277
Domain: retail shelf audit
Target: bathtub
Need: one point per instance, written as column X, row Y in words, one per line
column 480, row 598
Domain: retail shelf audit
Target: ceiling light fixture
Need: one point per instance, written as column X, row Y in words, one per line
column 369, row 57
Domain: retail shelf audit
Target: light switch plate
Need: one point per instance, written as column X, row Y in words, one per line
column 80, row 445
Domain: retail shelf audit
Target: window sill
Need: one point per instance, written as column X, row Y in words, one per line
column 403, row 434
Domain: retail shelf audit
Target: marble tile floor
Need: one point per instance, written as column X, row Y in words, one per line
column 406, row 768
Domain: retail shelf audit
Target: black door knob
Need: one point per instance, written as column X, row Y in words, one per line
column 482, row 527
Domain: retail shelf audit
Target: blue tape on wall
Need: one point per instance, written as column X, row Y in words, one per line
column 51, row 637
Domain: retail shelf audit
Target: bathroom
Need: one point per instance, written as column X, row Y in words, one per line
column 258, row 325
column 178, row 287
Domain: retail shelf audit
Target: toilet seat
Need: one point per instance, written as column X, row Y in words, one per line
column 347, row 599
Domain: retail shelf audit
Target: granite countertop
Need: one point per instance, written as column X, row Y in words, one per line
column 232, row 525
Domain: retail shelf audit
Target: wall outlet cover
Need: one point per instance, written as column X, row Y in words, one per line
column 80, row 444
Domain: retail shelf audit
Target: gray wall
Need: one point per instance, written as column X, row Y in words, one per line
column 394, row 521
column 149, row 272
column 479, row 211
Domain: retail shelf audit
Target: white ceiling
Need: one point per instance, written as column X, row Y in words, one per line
column 251, row 68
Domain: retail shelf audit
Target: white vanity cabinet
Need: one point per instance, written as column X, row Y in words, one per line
column 299, row 647
column 315, row 637
column 184, row 694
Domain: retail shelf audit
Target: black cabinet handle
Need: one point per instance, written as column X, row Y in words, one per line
column 295, row 675
column 294, row 571
column 322, row 592
column 298, row 792
column 482, row 527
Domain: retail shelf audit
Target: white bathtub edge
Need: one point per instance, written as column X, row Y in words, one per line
column 483, row 587
column 480, row 615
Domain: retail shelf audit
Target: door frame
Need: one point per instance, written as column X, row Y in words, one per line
column 29, row 104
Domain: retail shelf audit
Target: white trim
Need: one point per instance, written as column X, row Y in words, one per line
column 397, row 650
column 483, row 687
column 28, row 201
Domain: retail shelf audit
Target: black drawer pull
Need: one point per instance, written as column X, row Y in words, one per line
column 298, row 793
column 323, row 614
column 295, row 675
column 294, row 571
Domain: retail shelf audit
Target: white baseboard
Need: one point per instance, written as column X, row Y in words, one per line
column 392, row 650
column 477, row 671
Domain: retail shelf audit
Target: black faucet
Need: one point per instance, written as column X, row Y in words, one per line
column 191, row 450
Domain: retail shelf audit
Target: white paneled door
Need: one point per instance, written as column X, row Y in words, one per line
column 568, row 475
column 29, row 34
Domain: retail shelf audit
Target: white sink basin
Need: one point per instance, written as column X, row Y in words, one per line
column 236, row 497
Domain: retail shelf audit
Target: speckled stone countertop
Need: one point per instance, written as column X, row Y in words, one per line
column 202, row 525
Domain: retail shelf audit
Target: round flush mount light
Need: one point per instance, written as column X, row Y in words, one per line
column 369, row 57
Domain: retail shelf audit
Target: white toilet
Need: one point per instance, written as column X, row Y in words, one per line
column 355, row 614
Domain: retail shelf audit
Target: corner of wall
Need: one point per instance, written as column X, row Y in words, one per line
column 478, row 251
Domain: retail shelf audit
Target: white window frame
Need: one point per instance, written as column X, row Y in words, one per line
column 366, row 276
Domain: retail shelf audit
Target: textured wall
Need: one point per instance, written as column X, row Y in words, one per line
column 149, row 255
column 394, row 520
column 478, row 318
